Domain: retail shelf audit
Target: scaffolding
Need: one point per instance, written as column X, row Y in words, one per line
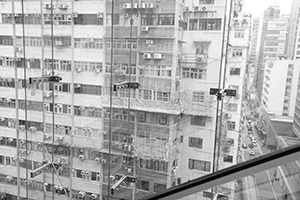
column 150, row 148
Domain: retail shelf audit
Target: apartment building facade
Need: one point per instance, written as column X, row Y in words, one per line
column 292, row 47
column 163, row 133
column 273, row 12
column 280, row 87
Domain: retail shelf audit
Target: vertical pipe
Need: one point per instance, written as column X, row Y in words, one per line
column 110, row 94
column 52, row 62
column 218, row 103
column 25, row 94
column 17, row 104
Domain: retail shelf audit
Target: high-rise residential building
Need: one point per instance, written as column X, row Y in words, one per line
column 160, row 130
column 296, row 122
column 253, row 53
column 275, row 38
column 273, row 12
column 292, row 47
column 280, row 87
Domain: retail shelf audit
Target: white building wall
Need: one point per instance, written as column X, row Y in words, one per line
column 275, row 96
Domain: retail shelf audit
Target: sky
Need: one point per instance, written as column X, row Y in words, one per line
column 256, row 7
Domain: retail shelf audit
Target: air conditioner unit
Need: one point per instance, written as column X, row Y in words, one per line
column 94, row 196
column 22, row 127
column 47, row 72
column 100, row 15
column 136, row 5
column 129, row 170
column 75, row 14
column 204, row 8
column 22, row 141
column 88, row 173
column 2, row 119
column 22, row 160
column 64, row 160
column 56, row 160
column 149, row 5
column 199, row 59
column 149, row 41
column 10, row 140
column 48, row 6
column 97, row 71
column 103, row 161
column 63, row 6
column 142, row 5
column 81, row 108
column 81, row 194
column 147, row 56
column 126, row 5
column 32, row 129
column 78, row 69
column 31, row 59
column 77, row 85
column 9, row 178
column 81, row 157
column 60, row 149
column 55, row 72
column 82, row 173
column 39, row 165
column 47, row 94
column 158, row 56
column 60, row 138
column 112, row 178
column 58, row 43
column 126, row 15
column 187, row 8
column 47, row 136
column 97, row 159
column 196, row 8
column 145, row 28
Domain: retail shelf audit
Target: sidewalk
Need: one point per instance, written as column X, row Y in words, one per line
column 249, row 191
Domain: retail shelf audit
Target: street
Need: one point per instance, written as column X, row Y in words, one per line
column 264, row 189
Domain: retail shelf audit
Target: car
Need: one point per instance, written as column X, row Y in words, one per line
column 250, row 145
column 252, row 153
column 244, row 146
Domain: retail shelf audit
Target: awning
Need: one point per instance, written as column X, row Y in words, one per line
column 202, row 41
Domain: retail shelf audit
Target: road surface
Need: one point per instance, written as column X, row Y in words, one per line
column 262, row 180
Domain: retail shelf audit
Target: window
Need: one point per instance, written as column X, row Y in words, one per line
column 143, row 185
column 209, row 24
column 235, row 71
column 165, row 19
column 239, row 33
column 231, row 125
column 206, row 1
column 198, row 120
column 95, row 176
column 199, row 165
column 198, row 97
column 193, row 73
column 156, row 71
column 87, row 89
column 88, row 19
column 79, row 173
column 88, row 43
column 195, row 142
column 148, row 19
column 232, row 107
column 58, row 19
column 193, row 24
column 228, row 158
column 237, row 52
column 159, row 187
column 6, row 40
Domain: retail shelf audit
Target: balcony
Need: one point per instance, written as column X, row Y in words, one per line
column 193, row 59
column 121, row 31
column 161, row 32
